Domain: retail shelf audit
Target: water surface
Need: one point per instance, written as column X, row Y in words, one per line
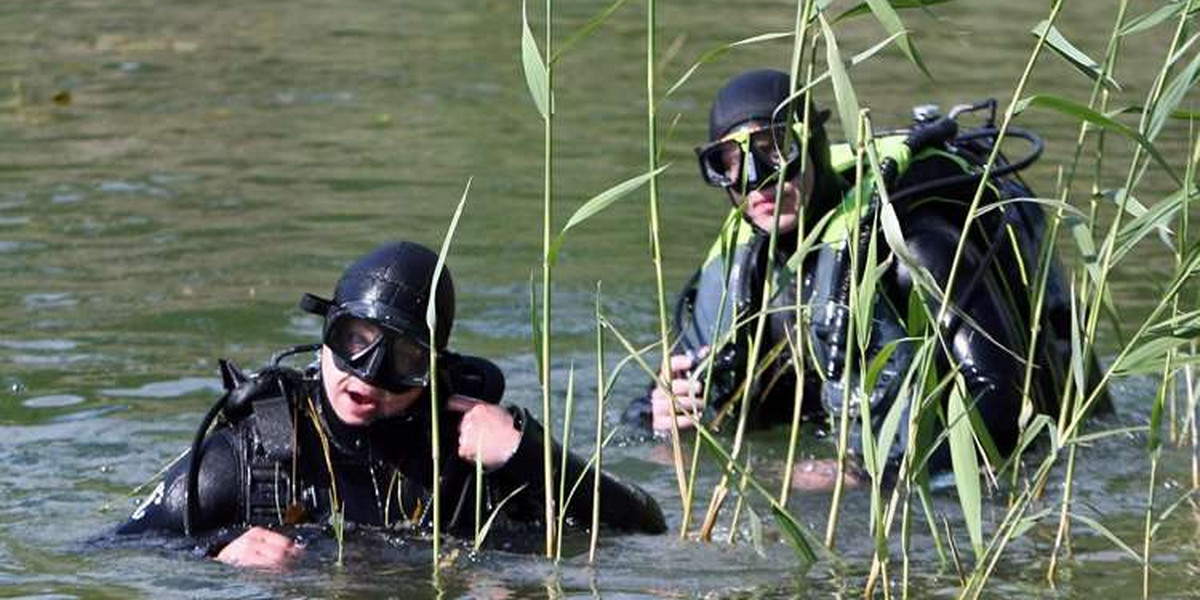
column 173, row 175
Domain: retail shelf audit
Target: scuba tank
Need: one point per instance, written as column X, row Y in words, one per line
column 971, row 147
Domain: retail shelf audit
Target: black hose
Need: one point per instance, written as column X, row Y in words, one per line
column 1007, row 168
column 191, row 496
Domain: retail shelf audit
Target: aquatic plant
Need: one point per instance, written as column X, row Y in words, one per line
column 1164, row 342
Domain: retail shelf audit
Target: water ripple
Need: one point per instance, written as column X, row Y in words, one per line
column 176, row 388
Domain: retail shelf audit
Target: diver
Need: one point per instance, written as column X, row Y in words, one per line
column 930, row 173
column 349, row 437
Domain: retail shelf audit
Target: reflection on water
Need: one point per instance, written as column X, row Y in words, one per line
column 174, row 176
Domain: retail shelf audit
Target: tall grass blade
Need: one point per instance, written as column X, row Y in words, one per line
column 563, row 502
column 863, row 8
column 717, row 52
column 1083, row 113
column 1152, row 19
column 1172, row 96
column 598, row 203
column 487, row 525
column 886, row 14
column 435, row 402
column 536, row 76
column 1076, row 57
column 847, row 100
column 588, row 29
column 855, row 60
column 601, row 392
column 965, row 463
column 1154, row 218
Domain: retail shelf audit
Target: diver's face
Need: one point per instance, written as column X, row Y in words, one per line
column 357, row 402
column 758, row 205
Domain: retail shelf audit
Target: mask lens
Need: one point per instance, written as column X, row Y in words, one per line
column 721, row 163
column 352, row 338
column 378, row 355
column 770, row 144
column 409, row 360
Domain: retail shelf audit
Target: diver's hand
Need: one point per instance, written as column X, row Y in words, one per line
column 486, row 431
column 689, row 400
column 261, row 549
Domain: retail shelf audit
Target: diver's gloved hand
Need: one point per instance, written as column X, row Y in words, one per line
column 689, row 395
column 487, row 432
column 261, row 548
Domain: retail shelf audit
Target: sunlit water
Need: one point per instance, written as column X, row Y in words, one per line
column 173, row 175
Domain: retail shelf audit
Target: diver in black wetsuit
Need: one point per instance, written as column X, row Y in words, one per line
column 931, row 172
column 352, row 435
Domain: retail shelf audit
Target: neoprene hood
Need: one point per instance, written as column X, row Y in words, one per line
column 391, row 285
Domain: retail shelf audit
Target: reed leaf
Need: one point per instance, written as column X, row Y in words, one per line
column 863, row 8
column 855, row 60
column 1186, row 497
column 1151, row 19
column 1081, row 233
column 487, row 525
column 756, row 532
column 885, row 13
column 716, row 53
column 1148, row 356
column 1083, row 113
column 1172, row 96
column 1028, row 522
column 890, row 426
column 965, row 462
column 598, row 203
column 588, row 29
column 1074, row 56
column 1154, row 218
column 536, row 76
column 843, row 92
column 1109, row 535
column 1048, row 203
column 1186, row 325
column 1137, row 210
column 435, row 427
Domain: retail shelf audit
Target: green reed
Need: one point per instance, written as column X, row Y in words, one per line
column 435, row 401
column 934, row 398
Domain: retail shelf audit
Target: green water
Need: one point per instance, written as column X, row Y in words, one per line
column 216, row 159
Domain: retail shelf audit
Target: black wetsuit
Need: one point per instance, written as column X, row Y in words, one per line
column 270, row 464
column 987, row 333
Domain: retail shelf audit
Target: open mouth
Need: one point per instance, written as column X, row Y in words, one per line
column 360, row 398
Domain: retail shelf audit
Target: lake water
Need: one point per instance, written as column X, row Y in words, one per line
column 173, row 175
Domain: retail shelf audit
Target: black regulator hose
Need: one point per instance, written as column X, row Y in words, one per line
column 1000, row 170
column 191, row 496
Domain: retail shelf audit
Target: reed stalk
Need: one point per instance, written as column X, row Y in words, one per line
column 597, row 463
column 566, row 451
column 656, row 247
column 852, row 241
column 804, row 9
column 435, row 403
column 547, row 267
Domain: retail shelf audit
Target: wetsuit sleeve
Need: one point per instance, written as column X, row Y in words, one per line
column 219, row 485
column 623, row 506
